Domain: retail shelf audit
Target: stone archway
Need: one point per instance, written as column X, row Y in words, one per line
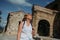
column 40, row 13
column 43, row 28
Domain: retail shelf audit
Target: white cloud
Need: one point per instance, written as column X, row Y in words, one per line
column 20, row 2
column 47, row 2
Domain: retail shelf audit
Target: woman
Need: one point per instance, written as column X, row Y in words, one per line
column 25, row 28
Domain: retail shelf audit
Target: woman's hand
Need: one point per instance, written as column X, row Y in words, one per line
column 33, row 32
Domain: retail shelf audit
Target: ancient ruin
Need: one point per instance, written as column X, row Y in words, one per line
column 13, row 22
column 46, row 21
column 55, row 5
column 43, row 20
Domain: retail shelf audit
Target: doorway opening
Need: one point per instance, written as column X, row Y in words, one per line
column 43, row 28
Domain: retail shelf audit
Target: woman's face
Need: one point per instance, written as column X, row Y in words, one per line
column 29, row 17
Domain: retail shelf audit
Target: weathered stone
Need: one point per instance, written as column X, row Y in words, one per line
column 13, row 22
column 43, row 14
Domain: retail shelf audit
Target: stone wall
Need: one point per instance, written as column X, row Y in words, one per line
column 13, row 22
column 40, row 13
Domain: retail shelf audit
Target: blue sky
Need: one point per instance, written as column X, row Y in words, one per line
column 7, row 6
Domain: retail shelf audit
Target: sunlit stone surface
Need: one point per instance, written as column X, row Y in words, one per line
column 13, row 22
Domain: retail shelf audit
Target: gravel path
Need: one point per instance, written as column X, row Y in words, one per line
column 5, row 37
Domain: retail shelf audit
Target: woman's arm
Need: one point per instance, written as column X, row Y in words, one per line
column 33, row 31
column 19, row 31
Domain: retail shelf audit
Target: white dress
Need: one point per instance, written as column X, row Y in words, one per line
column 26, row 33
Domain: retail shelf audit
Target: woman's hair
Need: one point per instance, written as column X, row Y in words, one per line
column 24, row 19
column 25, row 16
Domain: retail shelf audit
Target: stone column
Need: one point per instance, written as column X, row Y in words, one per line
column 51, row 31
column 52, row 23
column 34, row 23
